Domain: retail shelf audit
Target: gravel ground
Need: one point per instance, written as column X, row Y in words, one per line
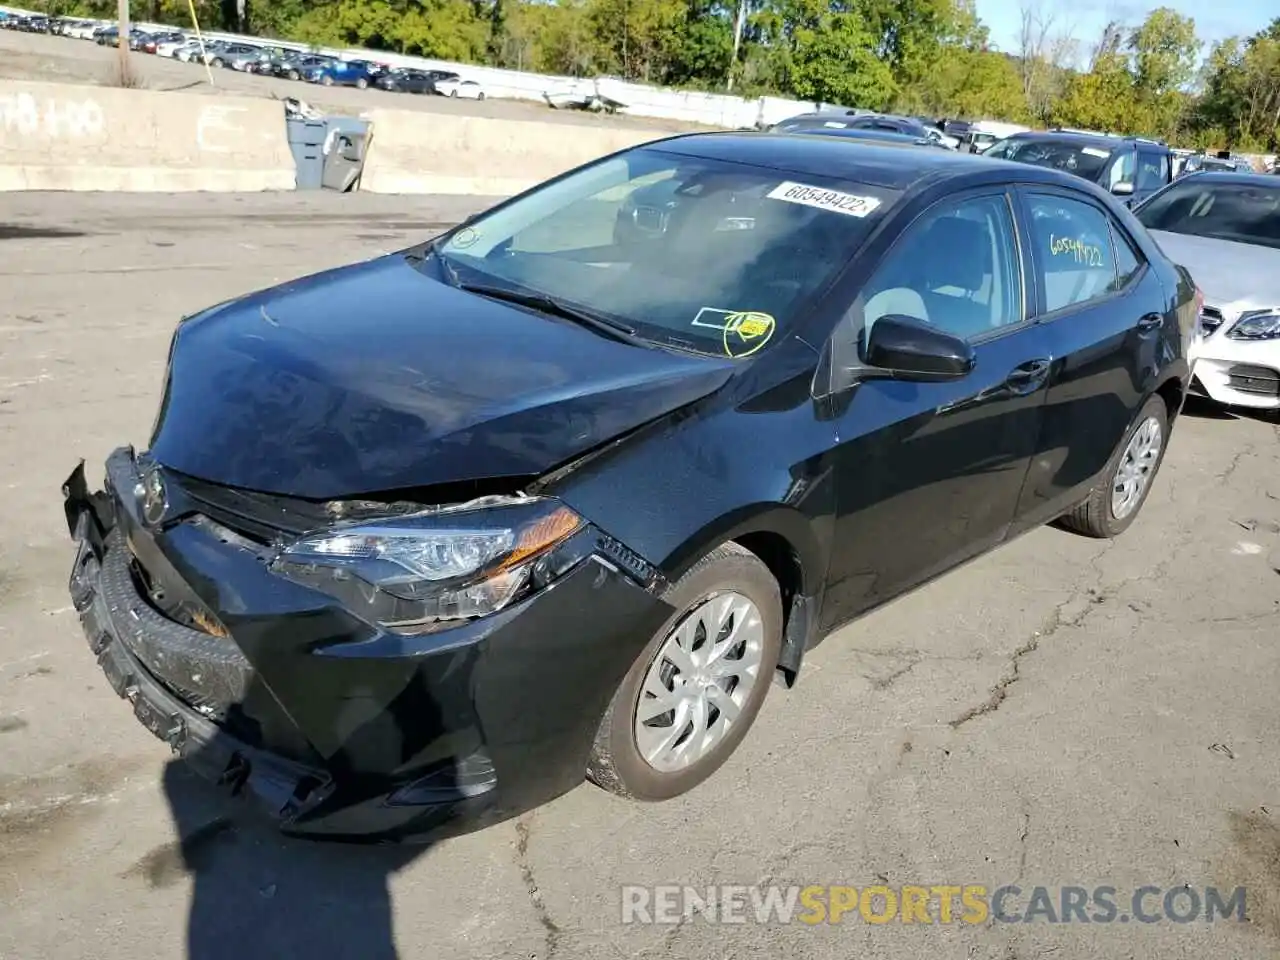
column 1059, row 712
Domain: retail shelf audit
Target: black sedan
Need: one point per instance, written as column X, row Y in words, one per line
column 421, row 542
column 404, row 80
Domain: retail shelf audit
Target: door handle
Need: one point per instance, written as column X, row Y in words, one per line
column 1026, row 377
column 1151, row 321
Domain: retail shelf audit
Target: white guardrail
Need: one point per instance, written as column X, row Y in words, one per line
column 687, row 106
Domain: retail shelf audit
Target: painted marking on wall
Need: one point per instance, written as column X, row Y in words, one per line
column 55, row 118
column 216, row 132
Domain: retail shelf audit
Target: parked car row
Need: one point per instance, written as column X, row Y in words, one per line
column 259, row 58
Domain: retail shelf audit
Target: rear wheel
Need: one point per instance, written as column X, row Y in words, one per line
column 1117, row 498
column 327, row 80
column 217, row 62
column 362, row 83
column 479, row 96
column 692, row 694
column 453, row 93
column 294, row 75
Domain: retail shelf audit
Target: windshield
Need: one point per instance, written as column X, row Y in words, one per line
column 1083, row 160
column 1240, row 212
column 698, row 254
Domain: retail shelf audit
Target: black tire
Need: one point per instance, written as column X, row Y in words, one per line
column 327, row 80
column 480, row 97
column 217, row 62
column 294, row 75
column 616, row 764
column 1093, row 517
column 453, row 93
column 362, row 83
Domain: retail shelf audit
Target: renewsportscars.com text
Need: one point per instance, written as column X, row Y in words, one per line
column 971, row 904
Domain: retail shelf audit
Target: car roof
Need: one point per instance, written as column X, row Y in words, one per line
column 1085, row 139
column 859, row 133
column 1239, row 177
column 891, row 166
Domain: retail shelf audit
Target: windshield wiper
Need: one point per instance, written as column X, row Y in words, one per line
column 550, row 305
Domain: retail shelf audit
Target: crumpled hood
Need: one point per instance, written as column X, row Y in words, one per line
column 1234, row 276
column 376, row 377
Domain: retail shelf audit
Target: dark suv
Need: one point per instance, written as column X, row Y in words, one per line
column 1131, row 168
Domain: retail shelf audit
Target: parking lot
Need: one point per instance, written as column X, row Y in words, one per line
column 31, row 56
column 1062, row 712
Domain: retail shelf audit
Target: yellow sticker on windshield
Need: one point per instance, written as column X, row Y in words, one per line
column 747, row 331
column 464, row 238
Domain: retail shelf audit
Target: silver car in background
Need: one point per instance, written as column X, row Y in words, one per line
column 1225, row 229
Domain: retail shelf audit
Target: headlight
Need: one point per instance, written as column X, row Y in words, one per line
column 1256, row 325
column 410, row 573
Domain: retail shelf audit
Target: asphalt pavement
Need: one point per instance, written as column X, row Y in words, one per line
column 1061, row 712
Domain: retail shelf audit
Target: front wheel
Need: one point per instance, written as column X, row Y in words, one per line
column 217, row 62
column 453, row 93
column 692, row 694
column 1114, row 502
column 362, row 83
column 479, row 96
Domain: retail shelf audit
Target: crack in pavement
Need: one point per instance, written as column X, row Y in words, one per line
column 885, row 682
column 551, row 930
column 1022, row 842
column 1055, row 622
column 1231, row 467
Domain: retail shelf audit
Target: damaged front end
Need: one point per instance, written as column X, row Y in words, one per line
column 371, row 670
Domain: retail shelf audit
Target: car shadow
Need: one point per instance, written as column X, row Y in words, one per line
column 257, row 895
column 1203, row 408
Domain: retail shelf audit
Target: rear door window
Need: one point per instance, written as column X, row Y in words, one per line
column 1075, row 258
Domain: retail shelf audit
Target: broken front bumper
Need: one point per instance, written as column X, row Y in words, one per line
column 343, row 729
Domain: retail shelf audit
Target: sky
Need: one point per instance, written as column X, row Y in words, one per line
column 1085, row 19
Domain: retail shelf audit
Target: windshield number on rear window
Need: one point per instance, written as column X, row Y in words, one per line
column 1085, row 253
column 846, row 203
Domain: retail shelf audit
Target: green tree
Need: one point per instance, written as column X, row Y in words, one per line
column 1102, row 99
column 1165, row 48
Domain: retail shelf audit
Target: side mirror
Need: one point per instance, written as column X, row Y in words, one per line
column 1122, row 189
column 905, row 348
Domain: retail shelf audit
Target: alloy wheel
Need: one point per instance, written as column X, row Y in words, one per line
column 699, row 682
column 1136, row 467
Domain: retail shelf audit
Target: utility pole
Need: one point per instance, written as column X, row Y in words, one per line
column 122, row 39
column 738, row 23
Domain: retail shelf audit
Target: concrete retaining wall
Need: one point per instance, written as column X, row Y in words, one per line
column 62, row 137
column 413, row 152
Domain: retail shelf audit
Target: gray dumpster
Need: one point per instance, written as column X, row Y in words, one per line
column 306, row 140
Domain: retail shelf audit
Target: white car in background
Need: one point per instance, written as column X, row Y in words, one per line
column 466, row 89
column 1225, row 229
column 189, row 52
column 79, row 29
column 937, row 136
column 170, row 48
